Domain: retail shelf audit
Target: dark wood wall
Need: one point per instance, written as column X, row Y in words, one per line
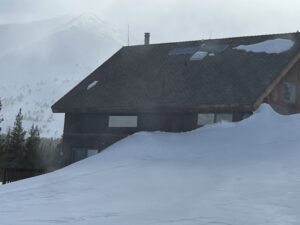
column 169, row 122
column 278, row 99
column 92, row 131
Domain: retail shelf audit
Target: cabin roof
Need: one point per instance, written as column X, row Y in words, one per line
column 204, row 75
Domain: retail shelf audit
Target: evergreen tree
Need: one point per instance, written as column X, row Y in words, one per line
column 31, row 159
column 15, row 143
column 1, row 119
column 59, row 159
column 7, row 138
column 1, row 138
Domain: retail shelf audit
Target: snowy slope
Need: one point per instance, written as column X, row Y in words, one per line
column 16, row 36
column 226, row 174
column 54, row 56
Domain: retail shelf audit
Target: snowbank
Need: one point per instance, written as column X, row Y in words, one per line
column 270, row 46
column 241, row 174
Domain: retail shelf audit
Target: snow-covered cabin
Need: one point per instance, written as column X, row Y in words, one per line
column 178, row 87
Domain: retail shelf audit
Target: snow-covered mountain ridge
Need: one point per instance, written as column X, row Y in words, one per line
column 223, row 174
column 43, row 60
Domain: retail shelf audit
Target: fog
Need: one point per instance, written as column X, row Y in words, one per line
column 32, row 60
column 169, row 20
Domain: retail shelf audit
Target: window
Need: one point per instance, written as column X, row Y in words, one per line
column 224, row 117
column 289, row 92
column 92, row 152
column 82, row 153
column 122, row 121
column 198, row 56
column 78, row 154
column 204, row 119
column 184, row 51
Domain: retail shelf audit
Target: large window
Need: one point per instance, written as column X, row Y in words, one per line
column 209, row 118
column 205, row 118
column 224, row 117
column 122, row 121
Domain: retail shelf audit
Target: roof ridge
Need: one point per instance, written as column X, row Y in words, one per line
column 215, row 39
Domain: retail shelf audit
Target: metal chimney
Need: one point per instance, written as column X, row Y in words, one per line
column 147, row 38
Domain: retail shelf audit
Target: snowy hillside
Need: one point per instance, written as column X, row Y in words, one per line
column 43, row 60
column 226, row 174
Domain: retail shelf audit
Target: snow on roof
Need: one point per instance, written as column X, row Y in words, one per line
column 91, row 85
column 270, row 46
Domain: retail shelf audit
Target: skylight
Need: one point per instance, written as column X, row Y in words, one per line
column 213, row 47
column 208, row 47
column 184, row 51
column 199, row 55
column 91, row 85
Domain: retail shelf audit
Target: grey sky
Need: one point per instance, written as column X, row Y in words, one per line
column 169, row 20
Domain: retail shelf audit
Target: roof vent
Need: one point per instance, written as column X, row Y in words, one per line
column 147, row 38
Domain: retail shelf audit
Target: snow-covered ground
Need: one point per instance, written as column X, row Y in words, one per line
column 245, row 173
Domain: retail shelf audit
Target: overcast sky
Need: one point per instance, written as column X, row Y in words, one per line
column 169, row 20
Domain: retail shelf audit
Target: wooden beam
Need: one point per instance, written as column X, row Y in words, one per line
column 271, row 87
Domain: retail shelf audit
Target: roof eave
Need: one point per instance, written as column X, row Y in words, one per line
column 159, row 109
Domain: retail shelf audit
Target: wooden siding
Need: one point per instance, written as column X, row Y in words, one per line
column 169, row 122
column 91, row 131
column 277, row 100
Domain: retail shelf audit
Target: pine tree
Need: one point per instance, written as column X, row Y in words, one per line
column 1, row 138
column 1, row 119
column 15, row 143
column 6, row 144
column 31, row 159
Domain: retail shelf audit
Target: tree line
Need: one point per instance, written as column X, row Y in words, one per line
column 26, row 149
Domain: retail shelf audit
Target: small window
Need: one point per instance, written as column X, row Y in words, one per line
column 224, row 117
column 92, row 152
column 204, row 119
column 198, row 56
column 122, row 121
column 91, row 85
column 79, row 154
column 289, row 92
column 82, row 153
column 184, row 51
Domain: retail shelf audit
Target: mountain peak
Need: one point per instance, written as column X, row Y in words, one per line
column 86, row 20
column 90, row 22
column 89, row 17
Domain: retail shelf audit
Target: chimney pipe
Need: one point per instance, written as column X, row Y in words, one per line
column 147, row 38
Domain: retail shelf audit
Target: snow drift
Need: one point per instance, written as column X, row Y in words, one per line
column 275, row 46
column 230, row 173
